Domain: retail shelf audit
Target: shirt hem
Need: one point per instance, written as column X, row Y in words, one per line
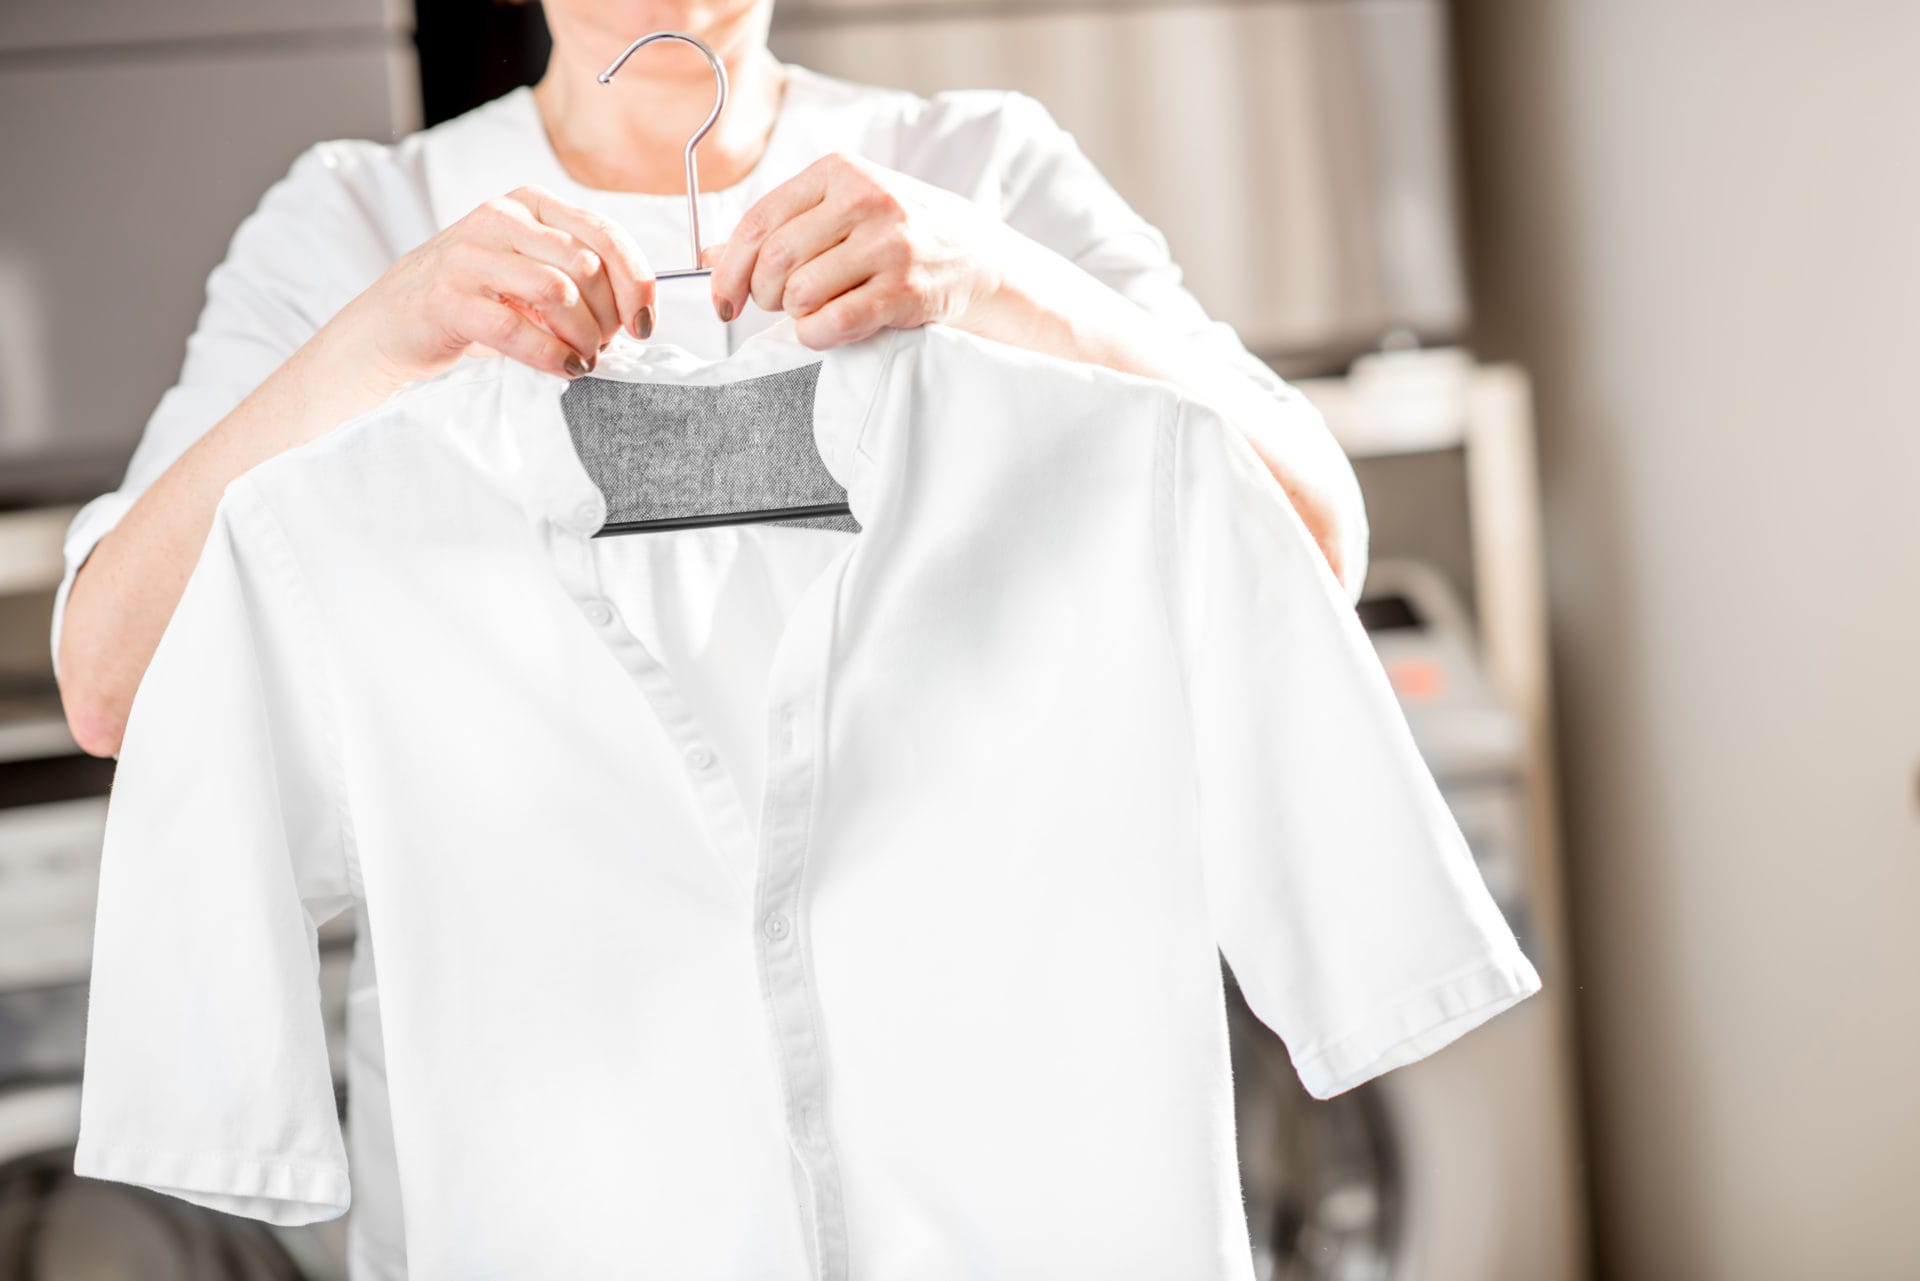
column 1418, row 1024
column 282, row 1192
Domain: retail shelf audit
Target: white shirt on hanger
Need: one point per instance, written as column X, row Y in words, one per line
column 763, row 902
column 348, row 209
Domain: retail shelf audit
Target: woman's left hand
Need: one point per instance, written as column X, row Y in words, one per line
column 847, row 247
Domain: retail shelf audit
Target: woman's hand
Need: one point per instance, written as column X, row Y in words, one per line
column 526, row 275
column 847, row 247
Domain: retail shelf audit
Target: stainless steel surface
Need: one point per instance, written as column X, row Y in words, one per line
column 693, row 171
column 86, row 27
column 140, row 136
column 1298, row 154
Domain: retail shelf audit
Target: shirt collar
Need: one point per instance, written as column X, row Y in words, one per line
column 554, row 485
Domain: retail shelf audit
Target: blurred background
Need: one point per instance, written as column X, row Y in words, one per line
column 1614, row 304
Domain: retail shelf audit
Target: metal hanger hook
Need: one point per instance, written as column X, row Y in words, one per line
column 693, row 173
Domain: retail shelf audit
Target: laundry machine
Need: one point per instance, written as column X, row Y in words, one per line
column 1450, row 1168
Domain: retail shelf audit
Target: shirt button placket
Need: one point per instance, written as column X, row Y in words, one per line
column 784, row 848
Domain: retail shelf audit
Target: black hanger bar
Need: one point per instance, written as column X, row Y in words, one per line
column 722, row 518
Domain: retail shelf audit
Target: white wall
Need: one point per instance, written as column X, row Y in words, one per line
column 1698, row 221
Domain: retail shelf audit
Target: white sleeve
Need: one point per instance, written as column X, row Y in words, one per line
column 319, row 236
column 1053, row 193
column 1050, row 191
column 227, row 843
column 1343, row 893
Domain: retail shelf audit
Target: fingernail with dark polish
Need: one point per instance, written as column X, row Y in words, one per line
column 643, row 323
column 576, row 367
column 726, row 309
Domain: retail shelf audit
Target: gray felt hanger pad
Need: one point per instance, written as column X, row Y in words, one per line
column 662, row 449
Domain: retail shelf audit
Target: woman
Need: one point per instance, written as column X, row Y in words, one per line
column 533, row 227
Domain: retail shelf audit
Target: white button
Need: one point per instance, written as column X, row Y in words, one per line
column 699, row 757
column 599, row 612
column 776, row 925
column 587, row 514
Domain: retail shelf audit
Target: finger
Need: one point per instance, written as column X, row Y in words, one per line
column 735, row 270
column 562, row 250
column 849, row 318
column 628, row 272
column 498, row 327
column 809, row 262
column 547, row 291
column 794, row 245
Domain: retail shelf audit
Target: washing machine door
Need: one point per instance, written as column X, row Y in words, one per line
column 1321, row 1182
column 55, row 1226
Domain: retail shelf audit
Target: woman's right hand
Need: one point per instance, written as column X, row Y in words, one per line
column 526, row 275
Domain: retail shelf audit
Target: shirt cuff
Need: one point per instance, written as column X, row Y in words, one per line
column 1418, row 1024
column 280, row 1192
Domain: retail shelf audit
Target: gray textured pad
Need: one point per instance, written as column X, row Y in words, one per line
column 666, row 449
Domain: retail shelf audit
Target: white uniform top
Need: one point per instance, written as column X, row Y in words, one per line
column 348, row 209
column 773, row 903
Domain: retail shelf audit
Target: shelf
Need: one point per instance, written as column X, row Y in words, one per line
column 1399, row 402
column 31, row 548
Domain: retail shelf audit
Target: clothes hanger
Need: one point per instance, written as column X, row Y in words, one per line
column 693, row 171
column 728, row 463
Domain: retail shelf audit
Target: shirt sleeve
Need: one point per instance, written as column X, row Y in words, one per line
column 227, row 844
column 319, row 236
column 1342, row 892
column 1052, row 193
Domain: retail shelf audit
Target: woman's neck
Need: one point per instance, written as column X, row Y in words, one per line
column 631, row 135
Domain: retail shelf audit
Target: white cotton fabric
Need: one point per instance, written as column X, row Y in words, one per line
column 768, row 902
column 348, row 209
